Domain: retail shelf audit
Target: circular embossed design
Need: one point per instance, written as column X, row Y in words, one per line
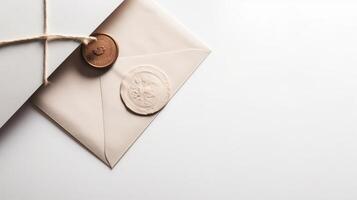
column 145, row 90
column 101, row 53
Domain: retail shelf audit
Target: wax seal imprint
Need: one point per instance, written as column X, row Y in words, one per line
column 101, row 53
column 145, row 90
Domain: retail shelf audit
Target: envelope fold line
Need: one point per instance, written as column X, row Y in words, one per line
column 103, row 125
column 168, row 52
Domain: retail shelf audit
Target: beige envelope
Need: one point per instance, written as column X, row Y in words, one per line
column 86, row 102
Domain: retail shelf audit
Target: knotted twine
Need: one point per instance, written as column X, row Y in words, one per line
column 46, row 38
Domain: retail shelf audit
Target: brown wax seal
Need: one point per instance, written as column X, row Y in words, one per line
column 101, row 53
column 145, row 90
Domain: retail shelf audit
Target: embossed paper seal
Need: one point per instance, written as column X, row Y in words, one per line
column 145, row 90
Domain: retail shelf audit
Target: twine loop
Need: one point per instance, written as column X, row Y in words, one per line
column 46, row 38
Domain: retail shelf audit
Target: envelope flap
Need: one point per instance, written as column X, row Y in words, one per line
column 122, row 128
column 21, row 65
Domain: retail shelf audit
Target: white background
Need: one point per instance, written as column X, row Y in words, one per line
column 271, row 115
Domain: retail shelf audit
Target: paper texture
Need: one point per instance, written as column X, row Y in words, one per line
column 86, row 102
column 21, row 66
